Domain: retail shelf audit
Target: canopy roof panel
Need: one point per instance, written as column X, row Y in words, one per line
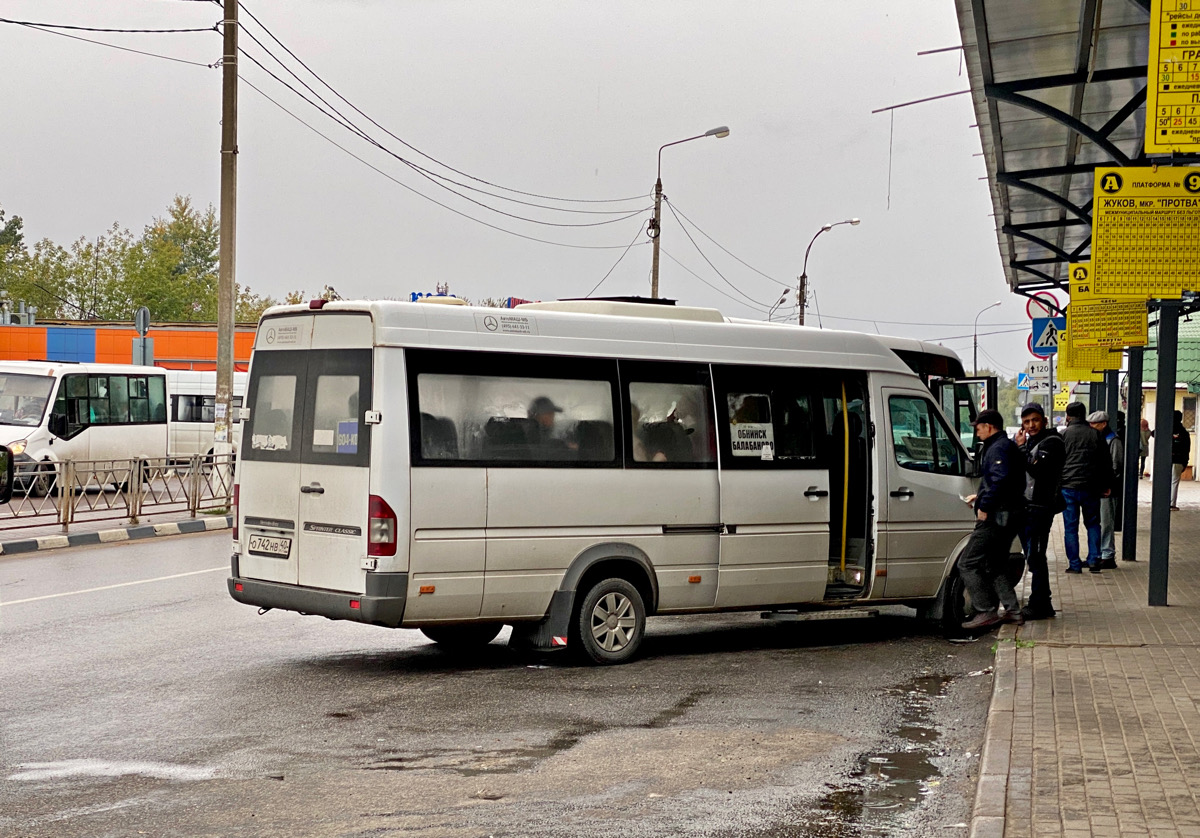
column 1059, row 87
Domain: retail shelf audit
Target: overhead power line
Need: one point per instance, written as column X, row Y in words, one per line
column 727, row 252
column 114, row 46
column 214, row 28
column 619, row 258
column 413, row 148
column 709, row 261
column 753, row 306
column 403, row 185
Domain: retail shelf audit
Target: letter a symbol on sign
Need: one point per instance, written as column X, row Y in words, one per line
column 1111, row 183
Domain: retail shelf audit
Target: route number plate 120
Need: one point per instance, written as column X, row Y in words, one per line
column 268, row 545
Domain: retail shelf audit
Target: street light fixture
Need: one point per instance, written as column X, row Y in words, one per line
column 782, row 299
column 655, row 229
column 802, row 291
column 975, row 339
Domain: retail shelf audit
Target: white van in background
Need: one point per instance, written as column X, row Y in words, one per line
column 193, row 399
column 56, row 411
column 571, row 468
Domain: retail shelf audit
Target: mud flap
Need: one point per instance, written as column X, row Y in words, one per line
column 550, row 633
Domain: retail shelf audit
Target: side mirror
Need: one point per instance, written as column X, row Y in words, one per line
column 6, row 474
column 57, row 424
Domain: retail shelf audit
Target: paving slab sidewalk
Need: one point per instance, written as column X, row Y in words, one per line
column 1094, row 726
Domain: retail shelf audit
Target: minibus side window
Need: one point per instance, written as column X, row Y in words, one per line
column 273, row 414
column 669, row 415
column 773, row 417
column 920, row 438
column 335, row 415
column 501, row 409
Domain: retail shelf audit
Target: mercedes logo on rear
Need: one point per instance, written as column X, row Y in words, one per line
column 491, row 323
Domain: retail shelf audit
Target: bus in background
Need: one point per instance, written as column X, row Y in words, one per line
column 570, row 468
column 53, row 411
column 193, row 406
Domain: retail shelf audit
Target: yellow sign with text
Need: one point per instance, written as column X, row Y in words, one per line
column 1146, row 232
column 1173, row 77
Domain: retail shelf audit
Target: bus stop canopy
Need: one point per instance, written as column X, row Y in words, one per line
column 1058, row 88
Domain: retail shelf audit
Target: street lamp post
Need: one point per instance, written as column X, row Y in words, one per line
column 655, row 228
column 975, row 339
column 802, row 291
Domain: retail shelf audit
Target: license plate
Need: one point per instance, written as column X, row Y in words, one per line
column 269, row 545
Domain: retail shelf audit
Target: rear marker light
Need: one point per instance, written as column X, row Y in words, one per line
column 237, row 586
column 317, row 305
column 426, row 589
column 354, row 603
column 693, row 580
column 381, row 528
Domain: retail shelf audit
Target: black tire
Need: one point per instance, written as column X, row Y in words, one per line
column 43, row 483
column 956, row 605
column 471, row 636
column 610, row 622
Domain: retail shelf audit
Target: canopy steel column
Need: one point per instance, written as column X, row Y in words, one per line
column 1133, row 475
column 1164, row 409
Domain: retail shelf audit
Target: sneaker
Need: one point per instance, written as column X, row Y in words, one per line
column 1030, row 612
column 1094, row 568
column 1108, row 564
column 1174, row 508
column 984, row 619
column 1017, row 618
column 1074, row 570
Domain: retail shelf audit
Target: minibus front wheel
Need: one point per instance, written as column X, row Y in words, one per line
column 611, row 621
column 470, row 636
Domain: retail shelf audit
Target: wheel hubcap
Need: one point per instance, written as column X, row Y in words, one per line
column 613, row 622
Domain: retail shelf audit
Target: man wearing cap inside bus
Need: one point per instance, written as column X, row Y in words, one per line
column 544, row 445
column 999, row 507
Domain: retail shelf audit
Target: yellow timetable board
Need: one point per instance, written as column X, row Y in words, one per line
column 1100, row 321
column 1146, row 231
column 1077, row 363
column 1173, row 77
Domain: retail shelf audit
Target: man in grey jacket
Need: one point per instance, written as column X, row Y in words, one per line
column 1110, row 505
column 1086, row 477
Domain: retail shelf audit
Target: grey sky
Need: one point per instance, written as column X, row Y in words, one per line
column 559, row 98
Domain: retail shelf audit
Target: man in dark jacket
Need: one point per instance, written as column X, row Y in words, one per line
column 1086, row 477
column 1044, row 456
column 999, row 505
column 1110, row 506
column 1181, row 455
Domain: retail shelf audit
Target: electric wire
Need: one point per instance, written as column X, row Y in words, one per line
column 38, row 24
column 415, row 191
column 413, row 148
column 116, row 46
column 632, row 242
column 727, row 252
column 341, row 120
column 764, row 306
column 760, row 309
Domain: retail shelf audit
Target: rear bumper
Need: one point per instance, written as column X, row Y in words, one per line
column 381, row 605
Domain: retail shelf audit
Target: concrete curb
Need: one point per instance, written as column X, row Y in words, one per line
column 991, row 793
column 53, row 542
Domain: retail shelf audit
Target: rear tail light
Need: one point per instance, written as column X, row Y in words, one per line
column 381, row 528
column 237, row 487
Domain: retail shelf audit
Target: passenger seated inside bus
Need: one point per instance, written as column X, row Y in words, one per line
column 439, row 438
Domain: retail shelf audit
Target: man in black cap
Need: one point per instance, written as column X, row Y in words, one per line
column 999, row 505
column 543, row 413
column 1044, row 456
column 1086, row 477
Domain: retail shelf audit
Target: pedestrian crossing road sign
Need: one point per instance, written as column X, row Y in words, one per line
column 1045, row 334
column 1022, row 381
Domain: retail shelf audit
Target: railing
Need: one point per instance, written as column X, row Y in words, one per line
column 76, row 491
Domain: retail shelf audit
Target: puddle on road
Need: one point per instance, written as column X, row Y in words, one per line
column 885, row 786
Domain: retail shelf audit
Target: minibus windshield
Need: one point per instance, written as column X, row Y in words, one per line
column 23, row 398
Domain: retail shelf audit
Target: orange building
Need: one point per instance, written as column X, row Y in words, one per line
column 177, row 346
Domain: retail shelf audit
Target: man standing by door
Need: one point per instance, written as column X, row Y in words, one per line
column 1087, row 476
column 1044, row 456
column 999, row 505
column 1181, row 455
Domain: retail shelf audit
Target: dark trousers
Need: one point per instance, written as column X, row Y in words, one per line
column 1035, row 537
column 983, row 566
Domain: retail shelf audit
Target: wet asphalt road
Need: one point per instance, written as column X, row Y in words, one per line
column 163, row 708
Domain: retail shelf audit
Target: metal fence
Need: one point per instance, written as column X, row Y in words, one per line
column 75, row 491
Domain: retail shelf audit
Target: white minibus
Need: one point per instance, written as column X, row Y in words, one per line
column 193, row 395
column 57, row 410
column 571, row 468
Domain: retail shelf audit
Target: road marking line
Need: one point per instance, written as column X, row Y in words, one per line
column 110, row 587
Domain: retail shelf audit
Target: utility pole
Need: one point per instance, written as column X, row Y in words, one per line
column 226, row 284
column 802, row 294
column 655, row 231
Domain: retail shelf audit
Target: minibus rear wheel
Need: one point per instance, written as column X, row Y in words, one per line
column 610, row 622
column 956, row 605
column 470, row 636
